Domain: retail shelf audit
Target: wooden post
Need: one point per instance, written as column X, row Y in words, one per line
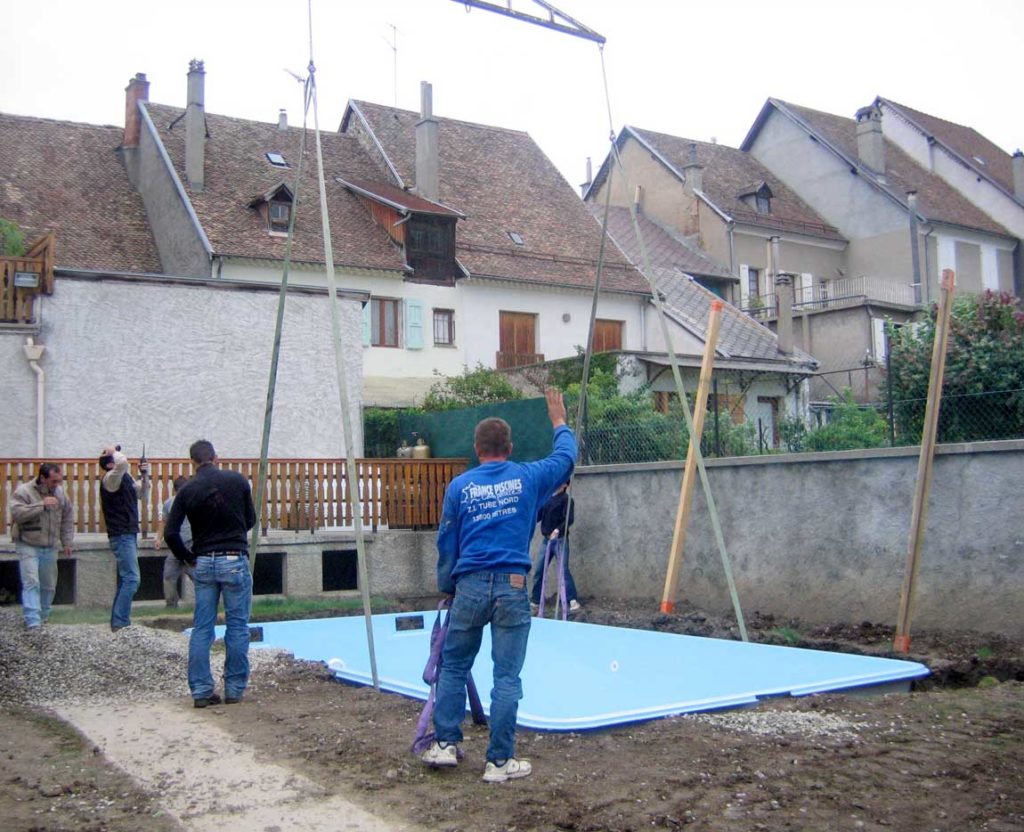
column 700, row 409
column 919, row 514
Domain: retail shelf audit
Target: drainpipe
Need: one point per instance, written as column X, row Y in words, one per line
column 732, row 253
column 33, row 352
column 915, row 257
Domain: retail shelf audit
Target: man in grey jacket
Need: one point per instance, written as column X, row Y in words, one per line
column 43, row 516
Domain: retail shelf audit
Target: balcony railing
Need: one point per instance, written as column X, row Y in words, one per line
column 23, row 278
column 833, row 294
column 301, row 494
column 508, row 360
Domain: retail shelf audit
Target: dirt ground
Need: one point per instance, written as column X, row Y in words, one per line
column 947, row 756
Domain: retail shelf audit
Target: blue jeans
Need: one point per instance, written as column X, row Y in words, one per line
column 216, row 578
column 126, row 553
column 38, row 567
column 570, row 584
column 173, row 570
column 484, row 598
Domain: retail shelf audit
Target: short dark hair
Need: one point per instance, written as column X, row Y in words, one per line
column 47, row 468
column 179, row 482
column 105, row 460
column 202, row 451
column 493, row 437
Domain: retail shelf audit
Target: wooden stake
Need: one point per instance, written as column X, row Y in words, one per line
column 700, row 410
column 919, row 514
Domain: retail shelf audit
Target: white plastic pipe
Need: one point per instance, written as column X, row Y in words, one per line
column 33, row 352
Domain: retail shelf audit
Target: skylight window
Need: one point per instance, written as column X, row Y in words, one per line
column 277, row 160
column 980, row 161
column 516, row 238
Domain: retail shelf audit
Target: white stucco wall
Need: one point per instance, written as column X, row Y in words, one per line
column 165, row 364
column 401, row 376
column 555, row 337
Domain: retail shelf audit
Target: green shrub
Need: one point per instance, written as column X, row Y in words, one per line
column 472, row 388
column 850, row 427
column 12, row 241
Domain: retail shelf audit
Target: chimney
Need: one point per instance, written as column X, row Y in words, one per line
column 1018, row 174
column 870, row 142
column 427, row 148
column 136, row 91
column 638, row 198
column 783, row 298
column 693, row 171
column 195, row 125
column 282, row 119
column 590, row 178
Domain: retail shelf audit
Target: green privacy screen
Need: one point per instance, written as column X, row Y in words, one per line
column 450, row 433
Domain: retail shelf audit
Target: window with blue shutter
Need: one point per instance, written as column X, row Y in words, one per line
column 413, row 324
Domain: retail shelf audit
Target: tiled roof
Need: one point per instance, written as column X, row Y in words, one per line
column 739, row 336
column 936, row 200
column 502, row 181
column 665, row 248
column 967, row 142
column 730, row 173
column 237, row 167
column 396, row 196
column 68, row 178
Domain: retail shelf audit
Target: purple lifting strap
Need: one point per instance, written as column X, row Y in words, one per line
column 559, row 547
column 431, row 672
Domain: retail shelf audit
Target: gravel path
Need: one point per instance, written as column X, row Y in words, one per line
column 85, row 664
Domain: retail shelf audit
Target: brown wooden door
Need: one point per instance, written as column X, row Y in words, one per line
column 607, row 335
column 516, row 339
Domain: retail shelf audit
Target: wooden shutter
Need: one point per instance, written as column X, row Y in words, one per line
column 413, row 324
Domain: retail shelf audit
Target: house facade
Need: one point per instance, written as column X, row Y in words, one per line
column 121, row 349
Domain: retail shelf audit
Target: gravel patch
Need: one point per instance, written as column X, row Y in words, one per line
column 87, row 664
column 782, row 723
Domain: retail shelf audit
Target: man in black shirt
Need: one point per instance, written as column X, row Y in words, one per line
column 219, row 508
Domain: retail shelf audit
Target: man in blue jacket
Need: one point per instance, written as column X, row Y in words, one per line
column 483, row 559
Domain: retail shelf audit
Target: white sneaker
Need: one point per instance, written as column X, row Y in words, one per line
column 512, row 770
column 574, row 606
column 441, row 755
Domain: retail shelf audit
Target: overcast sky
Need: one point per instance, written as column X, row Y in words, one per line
column 693, row 69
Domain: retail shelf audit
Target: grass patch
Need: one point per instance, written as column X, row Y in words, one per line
column 788, row 635
column 265, row 609
column 984, row 653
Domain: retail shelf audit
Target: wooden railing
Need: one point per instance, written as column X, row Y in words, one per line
column 508, row 360
column 301, row 494
column 17, row 301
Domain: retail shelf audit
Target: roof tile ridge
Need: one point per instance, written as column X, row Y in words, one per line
column 444, row 119
column 67, row 122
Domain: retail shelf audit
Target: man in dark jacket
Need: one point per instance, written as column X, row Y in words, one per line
column 219, row 508
column 119, row 497
column 554, row 526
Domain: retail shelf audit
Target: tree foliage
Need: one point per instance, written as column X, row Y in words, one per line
column 472, row 388
column 983, row 386
column 851, row 426
column 12, row 241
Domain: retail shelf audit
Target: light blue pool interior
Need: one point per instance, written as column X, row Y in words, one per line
column 581, row 676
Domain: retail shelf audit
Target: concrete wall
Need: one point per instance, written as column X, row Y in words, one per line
column 821, row 537
column 165, row 363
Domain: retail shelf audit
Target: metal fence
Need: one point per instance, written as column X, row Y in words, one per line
column 838, row 425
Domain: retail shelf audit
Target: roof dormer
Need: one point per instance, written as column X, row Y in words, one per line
column 275, row 207
column 423, row 228
column 758, row 197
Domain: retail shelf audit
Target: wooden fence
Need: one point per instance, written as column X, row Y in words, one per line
column 301, row 494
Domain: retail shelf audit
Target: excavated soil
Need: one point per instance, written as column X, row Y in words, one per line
column 947, row 756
